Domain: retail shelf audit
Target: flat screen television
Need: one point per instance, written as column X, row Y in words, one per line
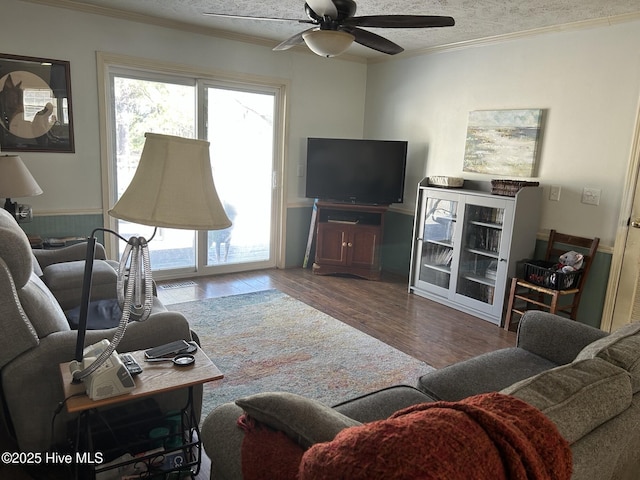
column 356, row 171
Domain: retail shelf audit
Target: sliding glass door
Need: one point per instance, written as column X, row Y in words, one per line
column 239, row 123
column 240, row 127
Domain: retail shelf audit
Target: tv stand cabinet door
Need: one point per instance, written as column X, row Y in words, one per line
column 332, row 246
column 364, row 248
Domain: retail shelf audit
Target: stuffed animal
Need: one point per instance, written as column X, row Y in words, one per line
column 571, row 261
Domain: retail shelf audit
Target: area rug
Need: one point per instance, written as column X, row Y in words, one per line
column 269, row 341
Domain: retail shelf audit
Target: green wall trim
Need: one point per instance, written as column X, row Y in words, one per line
column 64, row 225
column 298, row 222
column 396, row 243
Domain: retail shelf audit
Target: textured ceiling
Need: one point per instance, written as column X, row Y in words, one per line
column 475, row 19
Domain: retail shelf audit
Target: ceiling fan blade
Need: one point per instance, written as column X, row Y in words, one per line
column 323, row 8
column 292, row 41
column 374, row 41
column 400, row 21
column 248, row 17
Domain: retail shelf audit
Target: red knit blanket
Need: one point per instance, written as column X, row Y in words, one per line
column 267, row 454
column 486, row 437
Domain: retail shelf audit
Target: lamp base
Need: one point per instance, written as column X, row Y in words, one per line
column 10, row 207
column 21, row 212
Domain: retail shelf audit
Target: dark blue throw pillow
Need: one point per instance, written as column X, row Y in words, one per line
column 102, row 314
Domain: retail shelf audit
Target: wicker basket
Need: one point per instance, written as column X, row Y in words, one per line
column 509, row 188
column 546, row 275
column 446, row 182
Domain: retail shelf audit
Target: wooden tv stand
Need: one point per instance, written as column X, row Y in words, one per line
column 348, row 239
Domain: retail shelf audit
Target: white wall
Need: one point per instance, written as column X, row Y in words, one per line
column 587, row 80
column 72, row 182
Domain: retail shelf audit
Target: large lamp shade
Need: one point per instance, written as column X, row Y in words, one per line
column 173, row 187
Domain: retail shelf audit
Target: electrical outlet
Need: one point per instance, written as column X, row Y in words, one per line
column 591, row 196
column 554, row 193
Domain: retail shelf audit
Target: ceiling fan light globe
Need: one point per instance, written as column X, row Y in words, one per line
column 328, row 43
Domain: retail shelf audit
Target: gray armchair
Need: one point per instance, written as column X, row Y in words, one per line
column 36, row 338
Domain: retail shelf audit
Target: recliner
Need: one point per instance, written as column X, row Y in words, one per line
column 36, row 339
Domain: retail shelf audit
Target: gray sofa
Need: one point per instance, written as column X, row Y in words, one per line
column 36, row 338
column 585, row 381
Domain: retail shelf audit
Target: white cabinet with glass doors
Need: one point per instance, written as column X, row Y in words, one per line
column 467, row 243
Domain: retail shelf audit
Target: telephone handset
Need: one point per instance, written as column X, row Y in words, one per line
column 109, row 379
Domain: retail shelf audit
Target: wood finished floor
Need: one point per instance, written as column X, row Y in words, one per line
column 424, row 329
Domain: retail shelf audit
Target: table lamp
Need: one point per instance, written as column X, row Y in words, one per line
column 17, row 181
column 173, row 187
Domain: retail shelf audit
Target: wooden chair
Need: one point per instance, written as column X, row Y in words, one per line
column 537, row 296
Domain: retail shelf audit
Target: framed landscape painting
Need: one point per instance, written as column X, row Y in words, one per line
column 35, row 105
column 503, row 142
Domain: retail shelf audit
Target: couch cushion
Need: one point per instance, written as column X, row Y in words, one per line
column 41, row 308
column 490, row 372
column 577, row 397
column 306, row 421
column 621, row 348
column 611, row 450
column 65, row 281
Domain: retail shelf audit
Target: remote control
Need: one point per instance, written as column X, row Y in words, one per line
column 131, row 364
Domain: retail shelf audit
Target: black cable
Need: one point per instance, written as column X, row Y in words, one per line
column 113, row 232
column 57, row 412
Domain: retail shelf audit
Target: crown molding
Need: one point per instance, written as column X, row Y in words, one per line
column 151, row 20
column 486, row 41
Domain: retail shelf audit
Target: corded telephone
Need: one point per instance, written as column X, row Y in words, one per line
column 109, row 379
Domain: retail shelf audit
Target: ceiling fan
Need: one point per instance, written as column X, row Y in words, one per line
column 335, row 27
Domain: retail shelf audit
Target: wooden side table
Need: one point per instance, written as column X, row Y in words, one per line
column 155, row 378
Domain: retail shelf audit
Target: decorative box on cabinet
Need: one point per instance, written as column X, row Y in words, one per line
column 466, row 245
column 348, row 239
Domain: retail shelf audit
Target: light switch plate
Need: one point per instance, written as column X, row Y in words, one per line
column 591, row 196
column 554, row 193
